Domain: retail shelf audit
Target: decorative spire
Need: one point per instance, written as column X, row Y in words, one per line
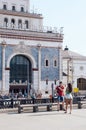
column 66, row 48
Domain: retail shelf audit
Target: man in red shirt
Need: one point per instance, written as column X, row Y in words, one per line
column 60, row 94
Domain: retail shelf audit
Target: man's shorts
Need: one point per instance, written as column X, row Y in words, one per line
column 61, row 98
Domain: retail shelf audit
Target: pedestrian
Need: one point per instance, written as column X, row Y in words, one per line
column 60, row 95
column 68, row 97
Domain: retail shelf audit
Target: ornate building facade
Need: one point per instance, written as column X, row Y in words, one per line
column 30, row 55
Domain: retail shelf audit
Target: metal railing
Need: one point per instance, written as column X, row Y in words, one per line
column 13, row 103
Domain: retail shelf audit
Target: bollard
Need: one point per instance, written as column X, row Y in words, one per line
column 79, row 105
column 19, row 109
column 52, row 86
column 35, row 108
column 49, row 108
column 61, row 107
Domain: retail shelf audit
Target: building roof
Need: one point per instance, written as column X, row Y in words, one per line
column 66, row 53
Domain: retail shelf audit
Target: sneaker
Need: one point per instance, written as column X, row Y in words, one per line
column 65, row 112
column 63, row 109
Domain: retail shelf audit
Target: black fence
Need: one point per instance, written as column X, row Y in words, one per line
column 76, row 99
column 13, row 103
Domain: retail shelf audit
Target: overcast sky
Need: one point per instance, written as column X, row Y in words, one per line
column 70, row 14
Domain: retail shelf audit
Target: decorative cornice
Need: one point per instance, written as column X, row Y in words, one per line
column 21, row 14
column 29, row 35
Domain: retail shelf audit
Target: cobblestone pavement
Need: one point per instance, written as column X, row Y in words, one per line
column 53, row 120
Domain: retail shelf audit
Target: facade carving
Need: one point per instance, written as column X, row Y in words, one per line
column 22, row 48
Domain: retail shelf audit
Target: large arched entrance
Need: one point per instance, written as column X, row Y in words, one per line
column 20, row 74
column 81, row 83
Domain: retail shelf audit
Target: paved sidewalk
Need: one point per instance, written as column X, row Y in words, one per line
column 53, row 120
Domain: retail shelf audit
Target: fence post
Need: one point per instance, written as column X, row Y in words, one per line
column 52, row 86
column 12, row 103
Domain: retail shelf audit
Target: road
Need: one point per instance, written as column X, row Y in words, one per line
column 53, row 120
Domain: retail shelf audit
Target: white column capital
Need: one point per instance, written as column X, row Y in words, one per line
column 3, row 43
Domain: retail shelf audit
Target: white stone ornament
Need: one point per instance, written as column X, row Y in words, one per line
column 22, row 48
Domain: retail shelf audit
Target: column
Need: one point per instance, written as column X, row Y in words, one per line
column 3, row 66
column 39, row 67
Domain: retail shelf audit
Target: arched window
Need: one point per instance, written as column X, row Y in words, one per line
column 81, row 83
column 13, row 8
column 55, row 63
column 5, row 7
column 5, row 22
column 20, row 74
column 46, row 63
column 19, row 23
column 22, row 9
column 26, row 24
column 12, row 23
column 20, row 69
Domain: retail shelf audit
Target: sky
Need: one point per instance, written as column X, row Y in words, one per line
column 69, row 14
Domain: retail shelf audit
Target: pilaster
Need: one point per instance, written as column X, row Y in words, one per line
column 39, row 67
column 3, row 66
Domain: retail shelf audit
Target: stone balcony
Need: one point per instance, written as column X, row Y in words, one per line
column 14, row 31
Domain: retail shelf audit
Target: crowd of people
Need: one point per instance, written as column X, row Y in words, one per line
column 30, row 94
column 12, row 95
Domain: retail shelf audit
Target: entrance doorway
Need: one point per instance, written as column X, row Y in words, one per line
column 81, row 83
column 20, row 74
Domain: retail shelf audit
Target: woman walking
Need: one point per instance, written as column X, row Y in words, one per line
column 68, row 97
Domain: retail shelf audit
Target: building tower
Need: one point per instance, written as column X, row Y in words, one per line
column 30, row 55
